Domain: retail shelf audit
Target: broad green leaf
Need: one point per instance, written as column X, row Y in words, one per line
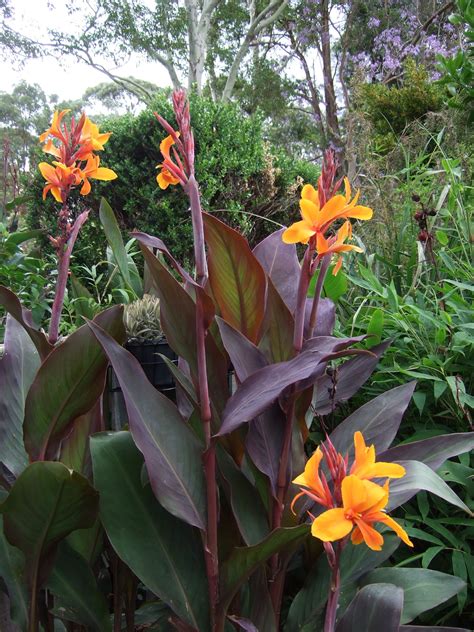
column 335, row 286
column 47, row 502
column 115, row 241
column 165, row 553
column 423, row 589
column 67, row 385
column 236, row 277
column 420, row 476
column 375, row 328
column 12, row 565
column 18, row 367
column 244, row 561
column 173, row 453
column 77, row 596
column 375, row 608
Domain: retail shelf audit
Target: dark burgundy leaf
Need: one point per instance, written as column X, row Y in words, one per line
column 278, row 327
column 375, row 608
column 172, row 451
column 433, row 451
column 280, row 262
column 349, row 377
column 326, row 317
column 264, row 442
column 246, row 358
column 263, row 387
column 244, row 624
column 378, row 420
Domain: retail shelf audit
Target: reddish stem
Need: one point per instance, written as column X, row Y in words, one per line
column 334, row 588
column 64, row 256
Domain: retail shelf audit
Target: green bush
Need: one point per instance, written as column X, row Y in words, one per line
column 239, row 176
column 390, row 108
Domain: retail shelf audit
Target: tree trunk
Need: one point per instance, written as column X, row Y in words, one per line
column 332, row 121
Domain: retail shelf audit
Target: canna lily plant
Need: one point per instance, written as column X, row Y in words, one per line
column 207, row 515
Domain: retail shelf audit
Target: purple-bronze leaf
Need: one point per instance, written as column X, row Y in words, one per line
column 246, row 358
column 378, row 420
column 264, row 442
column 171, row 450
column 155, row 243
column 326, row 317
column 433, row 451
column 436, row 628
column 263, row 387
column 67, row 385
column 236, row 278
column 18, row 367
column 280, row 262
column 244, row 624
column 346, row 381
column 278, row 327
column 420, row 476
column 11, row 303
column 375, row 607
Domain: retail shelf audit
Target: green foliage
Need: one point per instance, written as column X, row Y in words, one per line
column 458, row 70
column 390, row 108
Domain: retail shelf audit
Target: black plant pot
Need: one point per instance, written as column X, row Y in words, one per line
column 156, row 370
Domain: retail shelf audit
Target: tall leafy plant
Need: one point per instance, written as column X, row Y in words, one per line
column 197, row 499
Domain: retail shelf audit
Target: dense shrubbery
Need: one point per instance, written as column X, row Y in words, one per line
column 240, row 175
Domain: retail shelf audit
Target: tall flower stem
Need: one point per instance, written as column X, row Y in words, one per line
column 323, row 268
column 209, row 458
column 334, row 588
column 66, row 245
column 282, row 481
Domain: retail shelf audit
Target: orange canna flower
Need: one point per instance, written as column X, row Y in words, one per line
column 317, row 485
column 165, row 177
column 55, row 129
column 59, row 179
column 365, row 467
column 92, row 170
column 317, row 220
column 335, row 244
column 363, row 504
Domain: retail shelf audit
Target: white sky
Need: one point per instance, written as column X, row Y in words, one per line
column 69, row 79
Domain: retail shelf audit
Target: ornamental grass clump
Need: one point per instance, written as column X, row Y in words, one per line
column 209, row 508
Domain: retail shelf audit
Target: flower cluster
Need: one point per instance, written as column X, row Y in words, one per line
column 76, row 163
column 178, row 168
column 354, row 503
column 321, row 209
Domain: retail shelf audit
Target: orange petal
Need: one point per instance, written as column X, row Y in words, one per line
column 48, row 172
column 390, row 522
column 372, row 538
column 331, row 525
column 308, row 192
column 86, row 187
column 357, row 537
column 56, row 193
column 102, row 173
column 337, row 267
column 311, row 470
column 385, row 470
column 162, row 181
column 361, row 496
column 347, row 189
column 309, row 212
column 331, row 209
column 299, row 232
column 322, row 245
column 165, row 146
column 359, row 212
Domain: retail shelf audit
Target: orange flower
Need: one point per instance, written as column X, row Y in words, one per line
column 92, row 170
column 363, row 503
column 317, row 220
column 318, row 488
column 336, row 244
column 59, row 179
column 90, row 140
column 365, row 467
column 55, row 129
column 165, row 177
